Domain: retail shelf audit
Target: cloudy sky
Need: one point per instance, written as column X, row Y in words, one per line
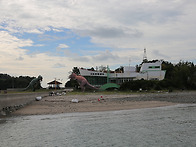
column 50, row 37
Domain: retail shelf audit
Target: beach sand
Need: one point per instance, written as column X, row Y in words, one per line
column 91, row 102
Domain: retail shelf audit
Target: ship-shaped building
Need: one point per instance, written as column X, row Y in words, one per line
column 148, row 71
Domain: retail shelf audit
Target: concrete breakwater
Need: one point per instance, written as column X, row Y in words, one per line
column 15, row 101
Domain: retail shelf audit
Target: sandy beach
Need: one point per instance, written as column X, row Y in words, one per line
column 91, row 102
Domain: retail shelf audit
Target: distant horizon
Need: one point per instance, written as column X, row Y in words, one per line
column 60, row 80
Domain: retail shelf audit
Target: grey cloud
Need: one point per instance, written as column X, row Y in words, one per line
column 106, row 24
column 59, row 65
column 81, row 59
column 20, row 58
column 152, row 12
column 26, row 16
column 132, row 13
column 149, row 17
column 158, row 54
column 107, row 55
column 102, row 57
column 107, row 32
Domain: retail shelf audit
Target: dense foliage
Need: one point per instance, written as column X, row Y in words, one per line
column 72, row 83
column 178, row 76
column 6, row 81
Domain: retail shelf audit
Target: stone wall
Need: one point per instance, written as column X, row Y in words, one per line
column 12, row 102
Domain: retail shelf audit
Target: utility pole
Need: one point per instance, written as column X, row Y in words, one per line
column 108, row 73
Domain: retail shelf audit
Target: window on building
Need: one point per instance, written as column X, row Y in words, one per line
column 152, row 67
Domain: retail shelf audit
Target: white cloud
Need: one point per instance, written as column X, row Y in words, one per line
column 16, row 62
column 62, row 46
column 166, row 28
column 10, row 45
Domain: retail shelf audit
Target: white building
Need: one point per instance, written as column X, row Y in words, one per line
column 148, row 71
column 151, row 71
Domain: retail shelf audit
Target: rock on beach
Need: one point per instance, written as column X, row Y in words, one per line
column 88, row 102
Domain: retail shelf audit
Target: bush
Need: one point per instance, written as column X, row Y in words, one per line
column 136, row 85
column 147, row 85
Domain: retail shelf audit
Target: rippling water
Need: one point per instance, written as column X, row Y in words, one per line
column 163, row 126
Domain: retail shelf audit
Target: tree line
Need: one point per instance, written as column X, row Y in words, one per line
column 7, row 81
column 178, row 76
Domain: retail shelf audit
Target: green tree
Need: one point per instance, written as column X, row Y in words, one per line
column 76, row 70
column 6, row 81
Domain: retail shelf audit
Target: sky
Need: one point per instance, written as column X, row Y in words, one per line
column 50, row 37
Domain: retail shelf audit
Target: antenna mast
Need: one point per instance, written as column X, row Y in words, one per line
column 129, row 61
column 145, row 56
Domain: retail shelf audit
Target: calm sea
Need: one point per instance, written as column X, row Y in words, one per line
column 164, row 126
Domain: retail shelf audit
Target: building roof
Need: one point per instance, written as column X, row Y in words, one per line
column 54, row 82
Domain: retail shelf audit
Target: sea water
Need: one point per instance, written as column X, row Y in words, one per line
column 162, row 126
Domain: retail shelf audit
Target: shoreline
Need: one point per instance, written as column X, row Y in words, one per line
column 92, row 102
